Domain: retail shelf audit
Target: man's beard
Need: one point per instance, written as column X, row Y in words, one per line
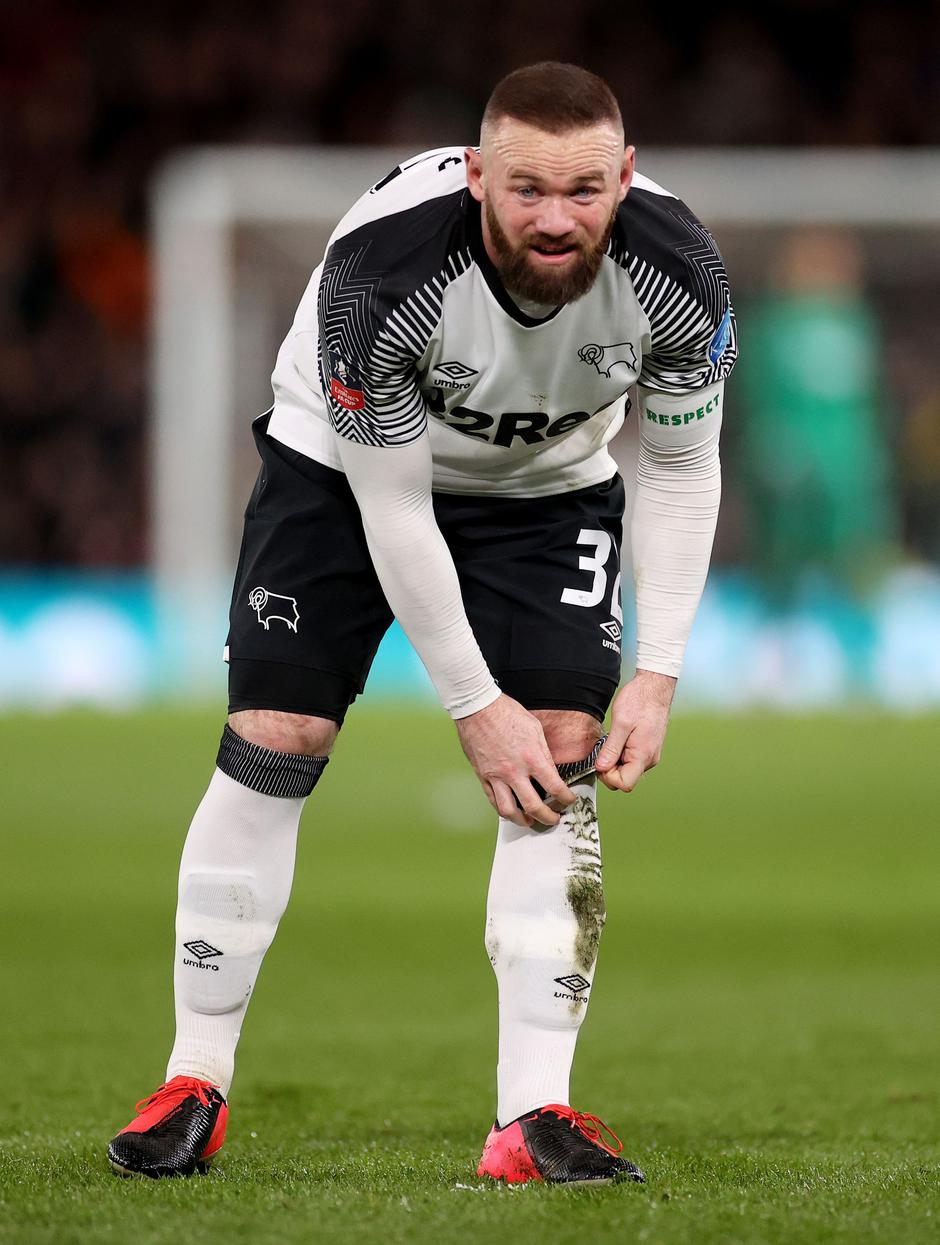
column 522, row 279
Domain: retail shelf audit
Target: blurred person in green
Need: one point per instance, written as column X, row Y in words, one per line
column 814, row 461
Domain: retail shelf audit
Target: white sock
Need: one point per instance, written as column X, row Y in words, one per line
column 235, row 880
column 545, row 912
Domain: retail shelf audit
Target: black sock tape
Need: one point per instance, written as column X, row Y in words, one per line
column 266, row 770
column 573, row 771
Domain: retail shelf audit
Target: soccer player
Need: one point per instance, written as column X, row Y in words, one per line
column 437, row 450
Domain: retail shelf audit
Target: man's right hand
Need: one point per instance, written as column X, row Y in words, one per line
column 506, row 746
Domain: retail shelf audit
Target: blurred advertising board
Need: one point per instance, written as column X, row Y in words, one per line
column 90, row 639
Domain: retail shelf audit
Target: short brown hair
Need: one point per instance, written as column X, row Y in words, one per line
column 554, row 97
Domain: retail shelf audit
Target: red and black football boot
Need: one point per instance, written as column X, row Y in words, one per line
column 558, row 1145
column 178, row 1131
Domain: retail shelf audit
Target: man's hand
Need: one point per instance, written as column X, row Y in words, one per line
column 506, row 746
column 637, row 730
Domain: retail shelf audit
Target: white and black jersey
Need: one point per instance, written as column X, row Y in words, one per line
column 405, row 326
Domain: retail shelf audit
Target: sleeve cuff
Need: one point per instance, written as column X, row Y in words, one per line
column 476, row 703
column 659, row 665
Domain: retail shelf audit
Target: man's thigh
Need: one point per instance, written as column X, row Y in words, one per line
column 307, row 610
column 569, row 733
column 541, row 584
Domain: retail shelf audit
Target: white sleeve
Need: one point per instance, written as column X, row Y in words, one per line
column 674, row 517
column 392, row 486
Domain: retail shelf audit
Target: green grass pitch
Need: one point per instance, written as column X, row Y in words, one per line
column 764, row 1035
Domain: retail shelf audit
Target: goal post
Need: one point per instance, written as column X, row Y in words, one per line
column 201, row 198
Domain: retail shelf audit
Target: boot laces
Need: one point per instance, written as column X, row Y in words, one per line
column 591, row 1127
column 175, row 1091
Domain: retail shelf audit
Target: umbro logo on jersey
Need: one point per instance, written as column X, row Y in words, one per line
column 271, row 605
column 452, row 375
column 606, row 358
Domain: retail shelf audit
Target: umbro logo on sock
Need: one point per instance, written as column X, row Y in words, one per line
column 202, row 951
column 574, row 981
column 576, row 984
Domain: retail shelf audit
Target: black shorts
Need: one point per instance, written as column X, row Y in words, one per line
column 540, row 580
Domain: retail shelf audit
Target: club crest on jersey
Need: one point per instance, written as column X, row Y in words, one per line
column 606, row 358
column 345, row 382
column 719, row 343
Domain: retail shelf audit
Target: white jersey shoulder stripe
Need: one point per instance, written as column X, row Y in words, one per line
column 680, row 282
column 647, row 183
column 431, row 175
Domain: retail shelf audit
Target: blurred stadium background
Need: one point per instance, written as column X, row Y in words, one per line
column 169, row 179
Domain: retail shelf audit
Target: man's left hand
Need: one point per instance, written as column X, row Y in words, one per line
column 639, row 718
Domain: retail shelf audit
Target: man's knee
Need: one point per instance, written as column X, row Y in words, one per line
column 570, row 734
column 297, row 733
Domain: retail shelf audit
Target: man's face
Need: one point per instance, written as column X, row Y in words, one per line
column 549, row 202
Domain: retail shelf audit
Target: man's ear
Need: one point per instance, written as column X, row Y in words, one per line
column 474, row 163
column 626, row 172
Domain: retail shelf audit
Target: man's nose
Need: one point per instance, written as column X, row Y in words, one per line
column 555, row 219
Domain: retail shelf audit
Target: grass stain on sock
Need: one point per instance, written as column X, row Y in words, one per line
column 585, row 890
column 586, row 896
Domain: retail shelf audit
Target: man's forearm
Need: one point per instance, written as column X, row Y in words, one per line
column 416, row 570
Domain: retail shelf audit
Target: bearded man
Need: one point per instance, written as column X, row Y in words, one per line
column 437, row 451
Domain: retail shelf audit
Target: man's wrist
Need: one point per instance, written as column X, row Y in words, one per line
column 663, row 685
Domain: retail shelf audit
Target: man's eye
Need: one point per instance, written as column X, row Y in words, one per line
column 526, row 192
column 584, row 192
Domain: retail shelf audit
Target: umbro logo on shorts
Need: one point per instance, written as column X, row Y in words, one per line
column 614, row 631
column 271, row 606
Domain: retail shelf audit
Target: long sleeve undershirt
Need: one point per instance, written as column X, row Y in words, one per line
column 678, row 490
column 673, row 525
column 416, row 570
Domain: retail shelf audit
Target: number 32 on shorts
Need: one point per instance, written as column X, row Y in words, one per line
column 596, row 563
